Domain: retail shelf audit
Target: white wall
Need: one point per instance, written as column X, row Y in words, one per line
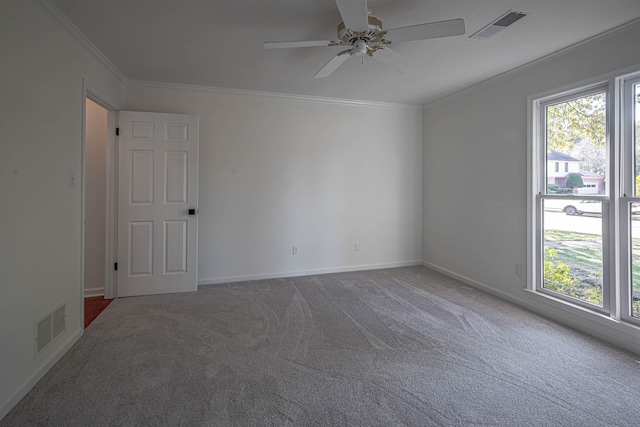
column 95, row 199
column 276, row 172
column 41, row 104
column 475, row 171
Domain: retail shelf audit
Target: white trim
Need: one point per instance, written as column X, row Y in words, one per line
column 53, row 11
column 472, row 282
column 95, row 94
column 625, row 133
column 612, row 236
column 533, row 163
column 492, row 81
column 31, row 382
column 111, row 206
column 537, row 179
column 89, row 91
column 310, row 272
column 296, row 97
column 621, row 334
column 577, row 89
column 83, row 160
column 94, row 292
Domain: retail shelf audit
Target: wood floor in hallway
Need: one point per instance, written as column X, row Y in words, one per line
column 93, row 306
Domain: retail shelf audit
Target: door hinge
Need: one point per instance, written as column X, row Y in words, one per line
column 115, row 266
column 117, row 131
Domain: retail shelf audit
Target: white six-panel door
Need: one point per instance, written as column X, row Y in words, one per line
column 157, row 185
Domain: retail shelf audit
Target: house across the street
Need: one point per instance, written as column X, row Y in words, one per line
column 560, row 165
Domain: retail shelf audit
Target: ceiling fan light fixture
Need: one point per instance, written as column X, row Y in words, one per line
column 360, row 48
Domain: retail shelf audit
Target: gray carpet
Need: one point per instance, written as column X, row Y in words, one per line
column 403, row 346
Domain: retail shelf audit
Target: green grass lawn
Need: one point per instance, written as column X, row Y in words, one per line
column 561, row 235
column 581, row 250
column 588, row 256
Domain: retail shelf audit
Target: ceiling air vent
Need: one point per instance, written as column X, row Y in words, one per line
column 498, row 25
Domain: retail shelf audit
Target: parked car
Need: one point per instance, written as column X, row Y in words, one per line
column 580, row 207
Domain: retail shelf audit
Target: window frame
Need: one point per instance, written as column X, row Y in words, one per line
column 626, row 97
column 538, row 176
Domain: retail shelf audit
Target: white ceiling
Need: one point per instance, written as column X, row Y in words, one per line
column 218, row 43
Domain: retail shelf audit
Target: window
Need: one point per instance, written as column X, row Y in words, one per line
column 557, row 166
column 571, row 252
column 585, row 230
column 630, row 202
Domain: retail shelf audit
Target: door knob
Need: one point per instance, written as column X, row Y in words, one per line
column 194, row 211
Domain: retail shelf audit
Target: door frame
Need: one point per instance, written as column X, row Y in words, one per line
column 90, row 91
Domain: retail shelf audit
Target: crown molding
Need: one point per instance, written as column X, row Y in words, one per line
column 492, row 81
column 53, row 11
column 290, row 96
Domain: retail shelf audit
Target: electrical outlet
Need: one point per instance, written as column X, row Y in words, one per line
column 520, row 270
column 294, row 250
column 357, row 247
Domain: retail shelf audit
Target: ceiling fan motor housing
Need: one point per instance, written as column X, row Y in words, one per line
column 375, row 28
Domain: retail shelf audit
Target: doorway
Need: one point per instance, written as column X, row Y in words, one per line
column 95, row 156
column 99, row 122
column 110, row 162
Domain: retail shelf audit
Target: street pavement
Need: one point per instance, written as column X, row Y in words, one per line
column 587, row 223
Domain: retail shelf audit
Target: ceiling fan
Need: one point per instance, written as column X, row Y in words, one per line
column 364, row 34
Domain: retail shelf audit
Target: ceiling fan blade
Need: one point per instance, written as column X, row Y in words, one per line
column 287, row 45
column 333, row 65
column 391, row 58
column 354, row 14
column 431, row 30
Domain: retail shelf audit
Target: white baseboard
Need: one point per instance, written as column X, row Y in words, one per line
column 624, row 335
column 53, row 359
column 93, row 292
column 310, row 272
column 474, row 283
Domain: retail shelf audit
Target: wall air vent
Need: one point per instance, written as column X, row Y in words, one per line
column 50, row 327
column 43, row 333
column 58, row 321
column 498, row 25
